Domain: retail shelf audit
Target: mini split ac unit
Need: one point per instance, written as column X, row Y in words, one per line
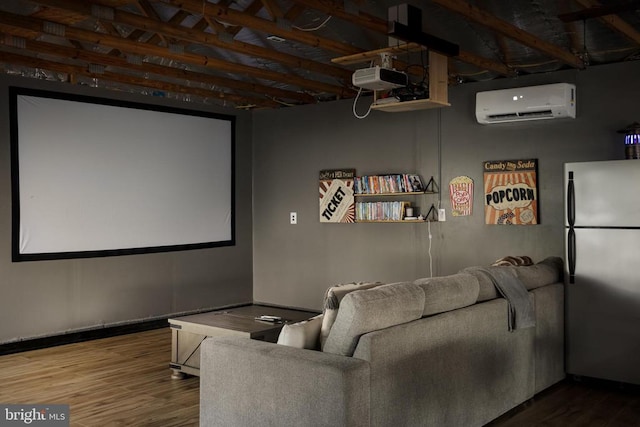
column 554, row 101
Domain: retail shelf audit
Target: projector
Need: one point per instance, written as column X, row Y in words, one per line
column 378, row 78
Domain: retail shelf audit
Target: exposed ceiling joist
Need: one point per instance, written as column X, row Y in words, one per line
column 147, row 10
column 72, row 70
column 141, row 48
column 596, row 10
column 273, row 8
column 196, row 36
column 475, row 14
column 220, row 49
column 232, row 16
column 614, row 21
column 50, row 49
column 381, row 26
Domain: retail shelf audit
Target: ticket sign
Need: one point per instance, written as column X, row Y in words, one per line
column 511, row 192
column 336, row 195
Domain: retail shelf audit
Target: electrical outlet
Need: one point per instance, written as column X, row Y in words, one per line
column 293, row 218
column 442, row 216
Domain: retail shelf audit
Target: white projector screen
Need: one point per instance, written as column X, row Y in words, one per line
column 96, row 177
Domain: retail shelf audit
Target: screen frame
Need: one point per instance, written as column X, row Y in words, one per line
column 14, row 94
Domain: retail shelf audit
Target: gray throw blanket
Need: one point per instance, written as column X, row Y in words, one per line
column 521, row 314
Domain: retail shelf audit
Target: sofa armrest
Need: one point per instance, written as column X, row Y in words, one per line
column 246, row 382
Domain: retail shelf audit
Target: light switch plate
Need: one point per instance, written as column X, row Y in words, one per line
column 293, row 218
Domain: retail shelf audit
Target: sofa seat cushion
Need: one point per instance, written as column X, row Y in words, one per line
column 369, row 310
column 332, row 299
column 305, row 334
column 448, row 293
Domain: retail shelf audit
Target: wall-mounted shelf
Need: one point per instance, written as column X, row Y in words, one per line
column 381, row 209
column 404, row 221
column 400, row 193
column 418, row 104
column 371, row 55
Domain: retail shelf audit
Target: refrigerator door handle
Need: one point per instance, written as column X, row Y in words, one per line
column 571, row 201
column 571, row 249
column 571, row 219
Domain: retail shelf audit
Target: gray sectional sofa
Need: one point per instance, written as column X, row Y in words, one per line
column 445, row 351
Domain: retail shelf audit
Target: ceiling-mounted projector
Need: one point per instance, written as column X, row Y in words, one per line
column 379, row 78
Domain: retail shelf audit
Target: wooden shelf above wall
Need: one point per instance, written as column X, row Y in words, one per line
column 418, row 104
column 438, row 79
column 371, row 55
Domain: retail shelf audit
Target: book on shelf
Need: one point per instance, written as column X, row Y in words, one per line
column 381, row 211
column 416, row 183
column 388, row 184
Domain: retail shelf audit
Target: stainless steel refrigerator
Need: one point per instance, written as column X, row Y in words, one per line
column 602, row 242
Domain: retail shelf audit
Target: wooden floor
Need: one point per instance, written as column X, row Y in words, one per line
column 119, row 381
column 126, row 381
column 586, row 403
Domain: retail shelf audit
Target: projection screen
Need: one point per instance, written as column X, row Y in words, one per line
column 97, row 177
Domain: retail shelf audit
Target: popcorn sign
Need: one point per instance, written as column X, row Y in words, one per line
column 510, row 192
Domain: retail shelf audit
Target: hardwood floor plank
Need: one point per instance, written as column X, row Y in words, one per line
column 126, row 381
column 628, row 415
column 117, row 381
column 577, row 404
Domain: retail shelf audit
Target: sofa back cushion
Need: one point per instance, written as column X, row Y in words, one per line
column 546, row 272
column 487, row 290
column 369, row 310
column 448, row 292
column 332, row 299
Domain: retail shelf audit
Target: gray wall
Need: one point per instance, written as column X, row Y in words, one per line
column 51, row 297
column 294, row 264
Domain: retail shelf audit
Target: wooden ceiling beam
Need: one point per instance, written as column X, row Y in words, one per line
column 161, row 70
column 217, row 27
column 372, row 55
column 273, row 9
column 613, row 21
column 252, row 9
column 500, row 40
column 334, row 8
column 381, row 26
column 179, row 17
column 140, row 48
column 294, row 11
column 197, row 36
column 571, row 29
column 117, row 3
column 485, row 63
column 475, row 14
column 145, row 7
column 226, row 14
column 597, row 10
column 32, row 62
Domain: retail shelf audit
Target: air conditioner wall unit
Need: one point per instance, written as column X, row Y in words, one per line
column 553, row 101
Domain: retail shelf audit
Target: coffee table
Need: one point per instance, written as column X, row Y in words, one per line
column 188, row 332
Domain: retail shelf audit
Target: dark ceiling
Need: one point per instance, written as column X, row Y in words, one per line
column 276, row 53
